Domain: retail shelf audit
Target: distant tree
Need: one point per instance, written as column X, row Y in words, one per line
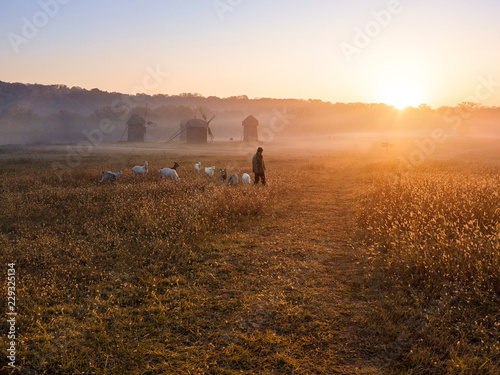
column 424, row 107
column 469, row 106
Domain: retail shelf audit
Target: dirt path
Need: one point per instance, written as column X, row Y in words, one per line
column 301, row 277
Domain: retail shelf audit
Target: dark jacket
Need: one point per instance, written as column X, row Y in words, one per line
column 258, row 163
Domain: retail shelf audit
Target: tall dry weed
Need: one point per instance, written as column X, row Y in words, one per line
column 433, row 234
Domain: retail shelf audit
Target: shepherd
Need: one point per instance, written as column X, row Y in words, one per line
column 259, row 167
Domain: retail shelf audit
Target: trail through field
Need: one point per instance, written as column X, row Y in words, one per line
column 301, row 279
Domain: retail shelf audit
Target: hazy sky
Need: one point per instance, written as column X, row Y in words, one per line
column 401, row 52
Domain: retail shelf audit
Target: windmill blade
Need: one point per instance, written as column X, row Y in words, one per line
column 209, row 131
column 202, row 114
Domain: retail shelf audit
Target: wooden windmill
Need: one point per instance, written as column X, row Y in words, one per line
column 195, row 130
column 209, row 131
column 136, row 127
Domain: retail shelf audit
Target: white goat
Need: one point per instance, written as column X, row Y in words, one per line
column 170, row 172
column 246, row 179
column 233, row 180
column 141, row 169
column 111, row 176
column 197, row 166
column 210, row 170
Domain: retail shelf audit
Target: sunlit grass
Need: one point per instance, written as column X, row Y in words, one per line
column 102, row 269
column 149, row 276
column 432, row 234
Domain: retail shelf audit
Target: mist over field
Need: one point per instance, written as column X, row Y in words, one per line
column 55, row 114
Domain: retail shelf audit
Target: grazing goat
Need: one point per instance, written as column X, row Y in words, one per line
column 210, row 170
column 223, row 174
column 246, row 179
column 197, row 166
column 111, row 176
column 141, row 169
column 170, row 172
column 233, row 180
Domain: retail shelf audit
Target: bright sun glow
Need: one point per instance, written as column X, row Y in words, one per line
column 402, row 96
column 402, row 85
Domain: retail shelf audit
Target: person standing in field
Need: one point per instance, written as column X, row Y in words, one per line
column 259, row 167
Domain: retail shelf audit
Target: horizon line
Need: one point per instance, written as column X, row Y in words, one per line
column 246, row 97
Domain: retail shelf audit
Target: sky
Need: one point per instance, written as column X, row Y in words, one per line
column 399, row 52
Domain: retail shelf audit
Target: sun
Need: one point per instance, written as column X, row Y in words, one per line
column 402, row 95
column 402, row 85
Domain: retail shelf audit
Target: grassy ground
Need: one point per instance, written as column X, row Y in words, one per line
column 432, row 237
column 150, row 277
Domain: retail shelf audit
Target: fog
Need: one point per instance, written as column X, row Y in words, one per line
column 57, row 115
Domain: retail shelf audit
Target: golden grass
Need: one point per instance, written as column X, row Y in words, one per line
column 99, row 266
column 433, row 235
column 150, row 277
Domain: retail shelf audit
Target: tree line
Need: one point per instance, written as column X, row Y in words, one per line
column 34, row 113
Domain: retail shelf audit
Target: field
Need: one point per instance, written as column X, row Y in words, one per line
column 343, row 264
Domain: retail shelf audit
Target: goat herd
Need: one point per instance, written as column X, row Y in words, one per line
column 172, row 173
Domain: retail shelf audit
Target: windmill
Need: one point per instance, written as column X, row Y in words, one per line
column 194, row 130
column 136, row 127
column 209, row 131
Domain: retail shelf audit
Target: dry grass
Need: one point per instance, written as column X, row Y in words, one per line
column 433, row 237
column 150, row 277
column 102, row 266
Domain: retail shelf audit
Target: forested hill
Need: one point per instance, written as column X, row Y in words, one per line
column 34, row 113
column 49, row 99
